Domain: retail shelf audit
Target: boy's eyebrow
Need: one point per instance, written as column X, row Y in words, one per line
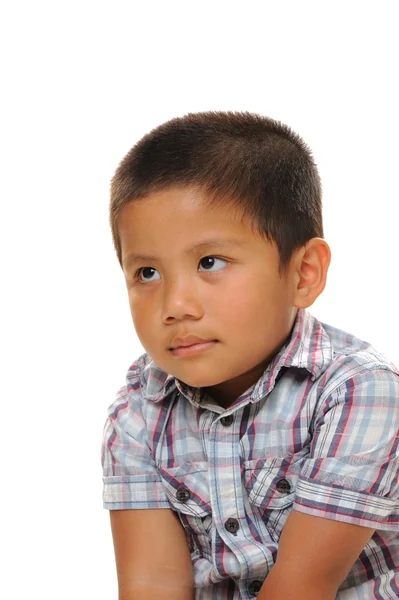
column 209, row 243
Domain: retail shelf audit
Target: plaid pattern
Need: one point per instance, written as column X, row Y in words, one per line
column 318, row 432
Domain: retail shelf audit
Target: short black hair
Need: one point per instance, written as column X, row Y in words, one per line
column 253, row 162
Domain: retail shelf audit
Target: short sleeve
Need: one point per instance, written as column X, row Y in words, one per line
column 130, row 476
column 352, row 471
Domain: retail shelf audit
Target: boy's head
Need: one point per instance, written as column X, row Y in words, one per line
column 217, row 223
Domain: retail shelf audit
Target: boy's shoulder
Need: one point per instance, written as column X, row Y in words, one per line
column 144, row 381
column 328, row 355
column 352, row 356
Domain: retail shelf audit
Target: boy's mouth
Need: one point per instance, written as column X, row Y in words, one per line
column 189, row 350
column 188, row 340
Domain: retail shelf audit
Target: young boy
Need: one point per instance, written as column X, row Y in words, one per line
column 253, row 450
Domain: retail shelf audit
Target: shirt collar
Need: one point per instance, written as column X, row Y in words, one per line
column 308, row 347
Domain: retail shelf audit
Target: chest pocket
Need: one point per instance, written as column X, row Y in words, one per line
column 271, row 485
column 187, row 490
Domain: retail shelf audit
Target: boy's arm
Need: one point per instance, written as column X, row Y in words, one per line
column 152, row 555
column 151, row 550
column 314, row 557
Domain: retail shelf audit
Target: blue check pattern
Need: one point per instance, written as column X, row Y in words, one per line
column 318, row 433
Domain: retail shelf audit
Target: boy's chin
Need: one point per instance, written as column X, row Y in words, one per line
column 200, row 381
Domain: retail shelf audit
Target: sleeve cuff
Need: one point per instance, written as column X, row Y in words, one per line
column 133, row 491
column 340, row 504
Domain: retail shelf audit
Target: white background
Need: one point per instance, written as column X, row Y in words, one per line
column 81, row 82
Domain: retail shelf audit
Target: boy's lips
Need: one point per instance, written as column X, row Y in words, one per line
column 192, row 349
column 188, row 340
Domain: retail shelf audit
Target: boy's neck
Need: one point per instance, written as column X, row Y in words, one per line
column 227, row 392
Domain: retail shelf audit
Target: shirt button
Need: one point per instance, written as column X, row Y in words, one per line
column 232, row 525
column 226, row 421
column 255, row 587
column 283, row 486
column 183, row 495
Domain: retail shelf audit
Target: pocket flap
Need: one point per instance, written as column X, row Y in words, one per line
column 187, row 488
column 270, row 483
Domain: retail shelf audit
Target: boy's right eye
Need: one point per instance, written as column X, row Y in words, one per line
column 146, row 272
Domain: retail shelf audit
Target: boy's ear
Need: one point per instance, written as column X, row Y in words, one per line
column 310, row 272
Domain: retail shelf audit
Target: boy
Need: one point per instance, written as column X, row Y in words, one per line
column 253, row 451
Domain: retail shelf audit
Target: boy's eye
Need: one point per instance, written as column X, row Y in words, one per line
column 146, row 272
column 209, row 261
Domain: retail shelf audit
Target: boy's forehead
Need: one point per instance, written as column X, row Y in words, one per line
column 184, row 207
column 181, row 219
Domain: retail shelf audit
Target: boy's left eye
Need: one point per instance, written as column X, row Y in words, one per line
column 209, row 261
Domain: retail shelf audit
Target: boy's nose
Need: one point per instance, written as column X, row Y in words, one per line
column 181, row 301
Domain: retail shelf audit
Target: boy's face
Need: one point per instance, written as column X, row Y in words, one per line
column 227, row 291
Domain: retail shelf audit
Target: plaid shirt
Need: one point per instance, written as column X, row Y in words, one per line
column 318, row 433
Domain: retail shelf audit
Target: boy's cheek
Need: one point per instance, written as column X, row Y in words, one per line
column 144, row 321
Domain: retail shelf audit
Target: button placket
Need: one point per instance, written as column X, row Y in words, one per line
column 227, row 500
column 224, row 483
